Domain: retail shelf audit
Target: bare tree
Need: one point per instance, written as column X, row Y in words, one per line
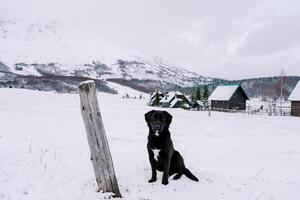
column 281, row 86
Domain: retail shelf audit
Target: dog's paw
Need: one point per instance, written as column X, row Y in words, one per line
column 165, row 182
column 177, row 176
column 152, row 180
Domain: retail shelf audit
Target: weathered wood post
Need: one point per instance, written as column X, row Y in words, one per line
column 100, row 154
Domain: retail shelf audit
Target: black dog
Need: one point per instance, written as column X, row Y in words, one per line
column 162, row 155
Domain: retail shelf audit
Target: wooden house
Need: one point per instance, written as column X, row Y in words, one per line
column 295, row 100
column 228, row 97
column 174, row 100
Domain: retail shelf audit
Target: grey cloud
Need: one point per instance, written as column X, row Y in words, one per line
column 247, row 38
column 275, row 34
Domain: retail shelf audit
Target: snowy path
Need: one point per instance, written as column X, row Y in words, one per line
column 44, row 152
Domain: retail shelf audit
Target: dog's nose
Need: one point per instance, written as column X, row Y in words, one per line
column 157, row 126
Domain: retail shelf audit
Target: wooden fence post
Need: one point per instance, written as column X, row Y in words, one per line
column 100, row 154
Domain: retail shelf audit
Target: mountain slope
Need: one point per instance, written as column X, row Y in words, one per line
column 49, row 55
column 52, row 48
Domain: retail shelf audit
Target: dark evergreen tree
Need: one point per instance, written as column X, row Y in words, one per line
column 156, row 100
column 197, row 94
column 205, row 92
column 193, row 97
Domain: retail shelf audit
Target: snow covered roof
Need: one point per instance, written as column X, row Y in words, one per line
column 173, row 103
column 172, row 93
column 170, row 96
column 200, row 103
column 224, row 92
column 178, row 93
column 166, row 99
column 295, row 95
column 156, row 92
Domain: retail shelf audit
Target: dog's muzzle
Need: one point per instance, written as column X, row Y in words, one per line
column 157, row 127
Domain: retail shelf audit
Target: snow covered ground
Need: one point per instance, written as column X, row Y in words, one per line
column 258, row 106
column 44, row 152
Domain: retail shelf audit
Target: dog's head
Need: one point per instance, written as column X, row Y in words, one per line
column 158, row 121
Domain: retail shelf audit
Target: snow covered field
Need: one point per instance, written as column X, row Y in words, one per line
column 44, row 152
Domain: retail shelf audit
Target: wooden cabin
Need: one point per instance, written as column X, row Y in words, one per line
column 295, row 100
column 228, row 97
column 174, row 100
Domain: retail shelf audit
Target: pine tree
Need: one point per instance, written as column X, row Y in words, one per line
column 156, row 100
column 197, row 94
column 205, row 92
column 193, row 97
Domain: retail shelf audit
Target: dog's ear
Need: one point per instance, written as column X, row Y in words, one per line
column 169, row 117
column 148, row 116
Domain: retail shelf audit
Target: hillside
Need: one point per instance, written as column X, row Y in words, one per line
column 49, row 55
column 51, row 48
column 268, row 86
column 260, row 87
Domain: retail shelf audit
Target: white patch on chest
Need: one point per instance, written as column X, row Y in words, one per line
column 156, row 153
column 156, row 133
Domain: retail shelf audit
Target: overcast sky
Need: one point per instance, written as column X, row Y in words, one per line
column 230, row 39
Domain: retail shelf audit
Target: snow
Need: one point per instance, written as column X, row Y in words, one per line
column 170, row 96
column 28, row 70
column 45, row 41
column 44, row 152
column 295, row 95
column 268, row 106
column 73, row 46
column 86, row 82
column 223, row 92
column 123, row 90
column 165, row 99
column 155, row 93
column 200, row 103
column 174, row 101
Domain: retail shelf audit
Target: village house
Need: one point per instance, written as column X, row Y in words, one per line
column 174, row 100
column 295, row 100
column 227, row 97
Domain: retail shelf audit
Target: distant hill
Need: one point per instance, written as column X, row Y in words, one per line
column 259, row 87
column 53, row 56
column 268, row 86
column 48, row 48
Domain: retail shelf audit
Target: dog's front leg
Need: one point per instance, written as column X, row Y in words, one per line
column 153, row 167
column 166, row 172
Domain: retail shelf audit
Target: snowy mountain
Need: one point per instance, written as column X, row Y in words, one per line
column 51, row 55
column 52, row 48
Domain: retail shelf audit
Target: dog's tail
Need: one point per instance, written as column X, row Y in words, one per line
column 189, row 174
